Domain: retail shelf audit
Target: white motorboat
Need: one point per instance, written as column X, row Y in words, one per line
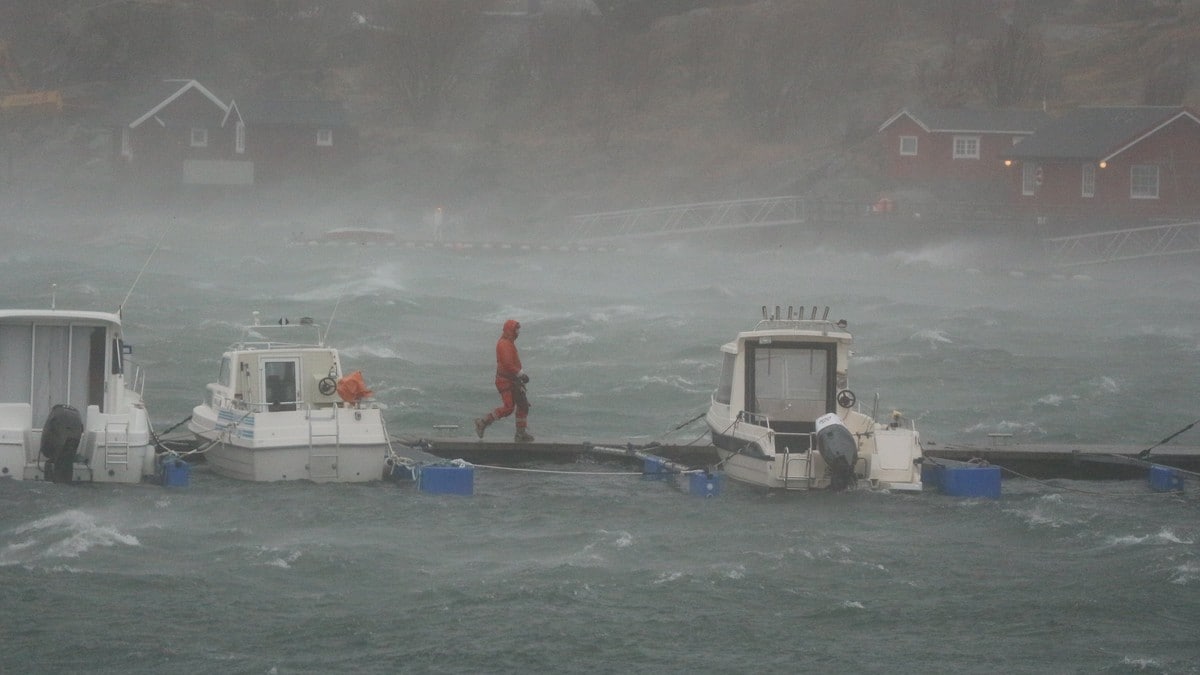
column 783, row 417
column 71, row 405
column 281, row 409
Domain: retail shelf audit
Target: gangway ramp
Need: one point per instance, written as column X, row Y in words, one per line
column 662, row 221
column 1127, row 244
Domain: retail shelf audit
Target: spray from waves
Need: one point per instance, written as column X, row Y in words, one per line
column 671, row 381
column 564, row 342
column 383, row 280
column 1164, row 536
column 64, row 535
column 370, row 351
column 1006, row 426
column 931, row 337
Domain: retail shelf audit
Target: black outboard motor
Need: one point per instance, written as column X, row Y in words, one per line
column 60, row 441
column 839, row 450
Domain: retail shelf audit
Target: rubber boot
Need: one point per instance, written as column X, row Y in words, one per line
column 523, row 436
column 482, row 423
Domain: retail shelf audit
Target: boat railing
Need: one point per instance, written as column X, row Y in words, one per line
column 135, row 380
column 757, row 419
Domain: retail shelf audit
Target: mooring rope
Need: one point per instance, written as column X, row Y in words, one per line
column 575, row 473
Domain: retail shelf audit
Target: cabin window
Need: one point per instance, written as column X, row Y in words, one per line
column 1143, row 181
column 279, row 384
column 1089, row 180
column 966, row 147
column 908, row 145
column 239, row 138
column 725, row 384
column 199, row 137
column 790, row 383
column 324, row 137
column 225, row 377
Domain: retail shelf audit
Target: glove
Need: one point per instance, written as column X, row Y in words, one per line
column 523, row 378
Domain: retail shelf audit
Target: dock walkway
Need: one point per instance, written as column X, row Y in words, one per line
column 1077, row 461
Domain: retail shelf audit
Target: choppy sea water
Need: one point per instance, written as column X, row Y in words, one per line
column 574, row 571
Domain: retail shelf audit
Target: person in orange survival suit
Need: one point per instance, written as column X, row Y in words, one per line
column 510, row 382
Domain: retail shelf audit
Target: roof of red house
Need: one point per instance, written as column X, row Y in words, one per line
column 972, row 120
column 1097, row 133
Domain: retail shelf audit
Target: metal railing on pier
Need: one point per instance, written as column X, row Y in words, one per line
column 1126, row 244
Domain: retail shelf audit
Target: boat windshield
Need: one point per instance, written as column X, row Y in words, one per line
column 790, row 382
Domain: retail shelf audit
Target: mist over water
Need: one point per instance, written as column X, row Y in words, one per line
column 572, row 573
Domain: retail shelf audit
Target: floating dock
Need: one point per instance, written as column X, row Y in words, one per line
column 1077, row 461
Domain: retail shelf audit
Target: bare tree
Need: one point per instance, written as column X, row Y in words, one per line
column 422, row 47
column 792, row 58
column 1011, row 70
column 1168, row 84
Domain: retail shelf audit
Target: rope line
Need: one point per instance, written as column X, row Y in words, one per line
column 576, row 473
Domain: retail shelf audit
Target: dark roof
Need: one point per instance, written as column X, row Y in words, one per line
column 1095, row 133
column 132, row 107
column 260, row 112
column 970, row 120
column 328, row 114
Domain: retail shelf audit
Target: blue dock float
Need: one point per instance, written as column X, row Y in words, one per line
column 1165, row 478
column 173, row 472
column 696, row 482
column 961, row 479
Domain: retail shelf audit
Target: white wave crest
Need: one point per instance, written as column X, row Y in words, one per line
column 572, row 339
column 933, row 337
column 64, row 535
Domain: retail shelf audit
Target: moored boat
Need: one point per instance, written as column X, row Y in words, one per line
column 783, row 417
column 71, row 406
column 281, row 409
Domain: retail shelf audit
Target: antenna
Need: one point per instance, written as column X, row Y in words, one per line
column 139, row 274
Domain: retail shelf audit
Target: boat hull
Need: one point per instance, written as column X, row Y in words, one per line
column 319, row 464
column 331, row 445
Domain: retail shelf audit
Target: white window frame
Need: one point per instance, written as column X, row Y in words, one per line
column 1028, row 179
column 239, row 138
column 908, row 146
column 966, row 147
column 1088, row 180
column 199, row 137
column 325, row 137
column 1146, row 185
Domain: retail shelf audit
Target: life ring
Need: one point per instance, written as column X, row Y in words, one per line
column 846, row 398
column 327, row 386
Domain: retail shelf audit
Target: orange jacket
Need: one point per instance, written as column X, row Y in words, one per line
column 508, row 362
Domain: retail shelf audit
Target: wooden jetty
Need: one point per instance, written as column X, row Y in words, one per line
column 1080, row 461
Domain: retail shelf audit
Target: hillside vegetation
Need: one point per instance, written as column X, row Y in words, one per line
column 510, row 120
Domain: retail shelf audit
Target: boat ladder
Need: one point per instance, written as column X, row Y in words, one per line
column 323, row 447
column 116, row 444
column 803, row 477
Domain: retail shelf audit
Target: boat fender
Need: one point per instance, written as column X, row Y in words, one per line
column 352, row 388
column 60, row 441
column 838, row 448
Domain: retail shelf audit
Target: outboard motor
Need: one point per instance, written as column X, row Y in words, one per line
column 60, row 441
column 839, row 450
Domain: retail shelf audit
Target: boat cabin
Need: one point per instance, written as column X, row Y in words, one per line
column 50, row 357
column 784, row 374
column 270, row 375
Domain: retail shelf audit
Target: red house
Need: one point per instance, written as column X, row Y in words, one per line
column 1132, row 162
column 185, row 134
column 952, row 149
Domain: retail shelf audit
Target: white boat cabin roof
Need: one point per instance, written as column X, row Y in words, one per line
column 792, row 330
column 60, row 315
